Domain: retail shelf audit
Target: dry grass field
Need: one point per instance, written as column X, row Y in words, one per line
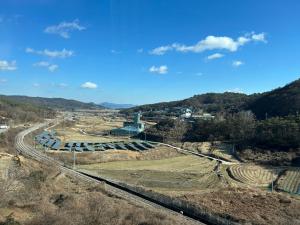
column 191, row 178
column 290, row 181
column 86, row 158
column 217, row 149
column 90, row 129
column 253, row 175
column 180, row 173
column 35, row 194
column 248, row 205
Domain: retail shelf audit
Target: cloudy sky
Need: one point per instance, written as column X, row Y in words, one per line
column 146, row 51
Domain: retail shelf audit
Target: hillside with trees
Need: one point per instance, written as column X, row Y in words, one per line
column 22, row 111
column 53, row 103
column 276, row 139
column 210, row 102
column 279, row 102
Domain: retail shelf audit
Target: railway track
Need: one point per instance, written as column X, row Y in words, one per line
column 112, row 187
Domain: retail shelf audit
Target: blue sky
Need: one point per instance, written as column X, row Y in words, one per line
column 145, row 51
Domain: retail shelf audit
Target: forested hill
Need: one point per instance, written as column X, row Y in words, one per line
column 278, row 102
column 53, row 103
column 22, row 112
column 210, row 102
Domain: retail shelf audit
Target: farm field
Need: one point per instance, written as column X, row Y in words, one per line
column 181, row 173
column 86, row 158
column 253, row 175
column 290, row 181
column 218, row 149
column 90, row 129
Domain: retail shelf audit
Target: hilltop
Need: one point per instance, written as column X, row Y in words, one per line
column 53, row 103
column 279, row 102
column 282, row 101
column 22, row 111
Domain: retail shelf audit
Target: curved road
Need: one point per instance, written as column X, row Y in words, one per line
column 30, row 151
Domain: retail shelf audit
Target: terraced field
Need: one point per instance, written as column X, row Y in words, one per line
column 252, row 175
column 218, row 150
column 290, row 181
column 182, row 173
column 186, row 163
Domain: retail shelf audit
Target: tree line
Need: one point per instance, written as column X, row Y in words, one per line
column 241, row 129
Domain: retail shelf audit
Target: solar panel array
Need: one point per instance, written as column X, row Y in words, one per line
column 92, row 146
column 48, row 139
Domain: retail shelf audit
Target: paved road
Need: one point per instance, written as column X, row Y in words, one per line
column 30, row 151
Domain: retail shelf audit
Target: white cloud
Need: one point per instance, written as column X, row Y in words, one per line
column 237, row 63
column 211, row 43
column 199, row 74
column 236, row 90
column 89, row 85
column 259, row 37
column 35, row 84
column 160, row 69
column 49, row 66
column 8, row 66
column 214, row 56
column 64, row 29
column 53, row 54
column 161, row 50
column 2, row 80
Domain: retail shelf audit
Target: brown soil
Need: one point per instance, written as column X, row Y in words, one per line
column 47, row 196
column 266, row 157
column 249, row 206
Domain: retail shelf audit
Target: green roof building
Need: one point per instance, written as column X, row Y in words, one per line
column 130, row 128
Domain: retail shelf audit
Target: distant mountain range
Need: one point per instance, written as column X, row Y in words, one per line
column 279, row 102
column 110, row 105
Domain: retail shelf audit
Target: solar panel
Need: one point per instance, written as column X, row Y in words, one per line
column 111, row 146
column 50, row 142
column 140, row 146
column 90, row 148
column 132, row 147
column 99, row 147
column 69, row 144
column 56, row 145
column 149, row 145
column 43, row 141
column 120, row 146
column 78, row 149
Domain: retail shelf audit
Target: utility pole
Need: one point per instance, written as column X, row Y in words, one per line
column 272, row 184
column 74, row 159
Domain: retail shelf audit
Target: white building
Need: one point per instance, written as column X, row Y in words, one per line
column 187, row 114
column 3, row 126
